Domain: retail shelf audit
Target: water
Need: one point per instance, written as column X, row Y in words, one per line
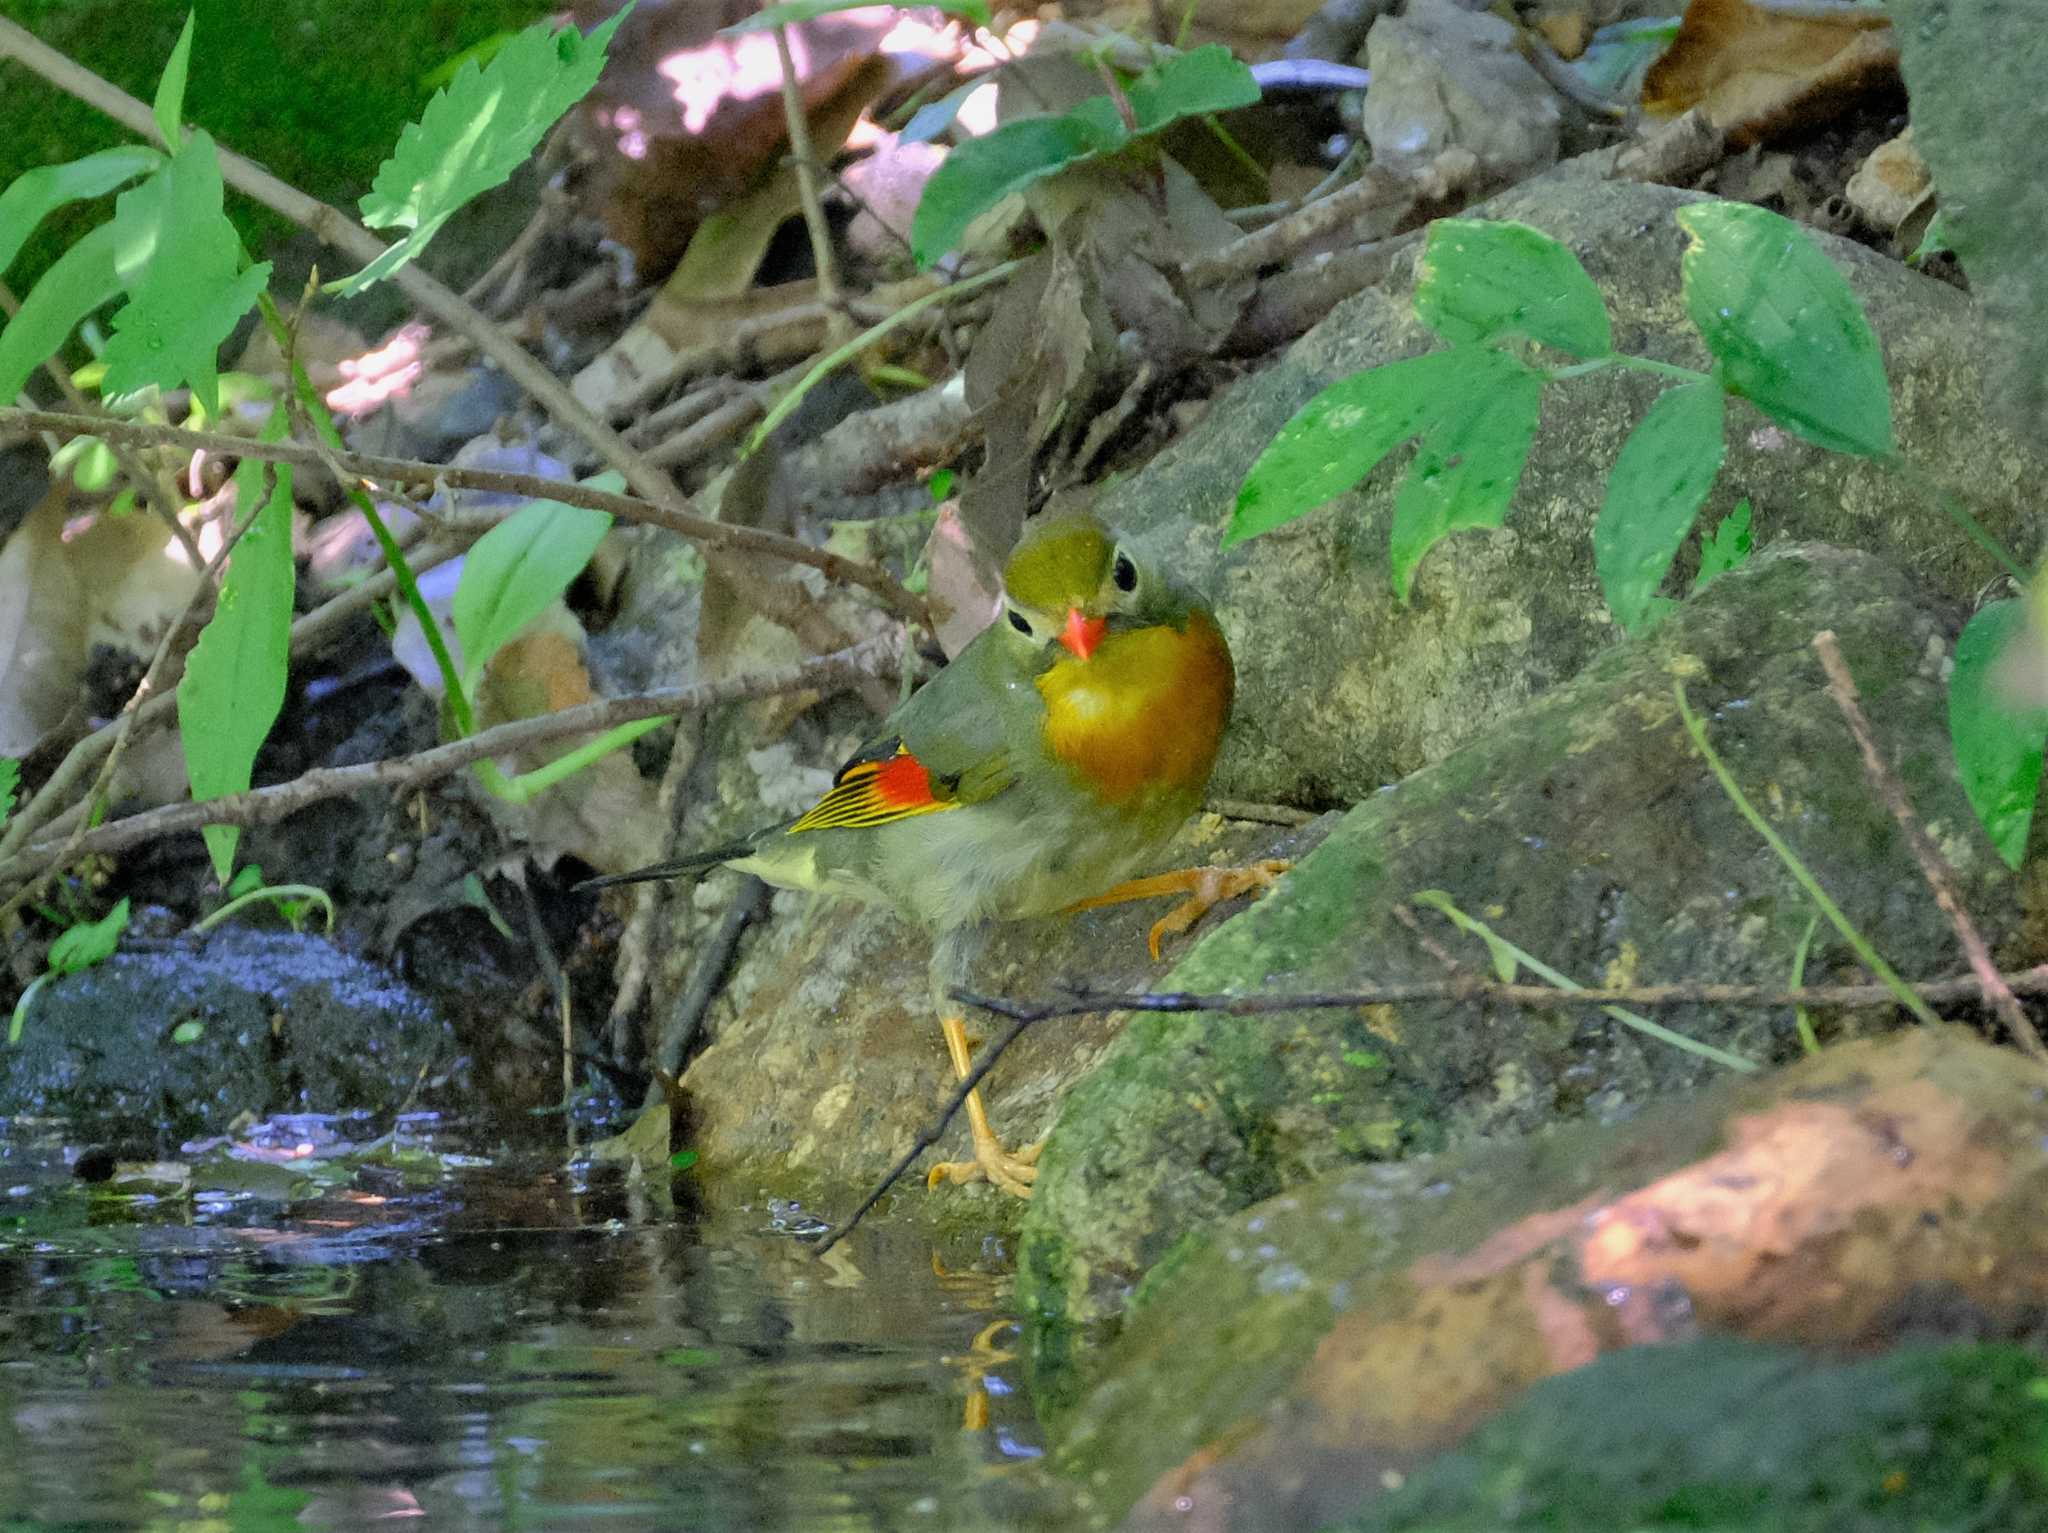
column 303, row 1338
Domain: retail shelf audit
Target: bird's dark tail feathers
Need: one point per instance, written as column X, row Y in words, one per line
column 696, row 862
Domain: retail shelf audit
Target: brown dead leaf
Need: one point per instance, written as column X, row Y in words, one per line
column 42, row 628
column 963, row 600
column 1757, row 73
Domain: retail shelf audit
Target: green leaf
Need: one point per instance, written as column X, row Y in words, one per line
column 1471, row 459
column 1660, row 480
column 515, row 570
column 1728, row 549
column 78, row 282
column 234, row 683
column 10, row 779
column 475, row 133
column 188, row 1032
column 35, row 194
column 186, row 295
column 682, row 1160
column 1998, row 746
column 86, row 944
column 1483, row 279
column 790, row 12
column 1339, row 436
column 980, row 173
column 170, row 90
column 1786, row 330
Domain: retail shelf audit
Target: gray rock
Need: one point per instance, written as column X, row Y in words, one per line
column 285, row 1023
column 1444, row 78
column 1341, row 690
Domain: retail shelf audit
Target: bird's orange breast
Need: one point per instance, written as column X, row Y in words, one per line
column 1142, row 718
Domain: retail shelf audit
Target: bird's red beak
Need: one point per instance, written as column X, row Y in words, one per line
column 1082, row 633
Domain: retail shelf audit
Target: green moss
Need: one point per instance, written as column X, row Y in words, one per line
column 1926, row 1438
column 316, row 89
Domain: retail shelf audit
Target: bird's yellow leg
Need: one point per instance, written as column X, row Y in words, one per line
column 1012, row 1170
column 1199, row 888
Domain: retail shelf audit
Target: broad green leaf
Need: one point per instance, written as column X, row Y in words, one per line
column 1997, row 745
column 188, row 295
column 1471, row 459
column 78, row 282
column 1728, row 549
column 515, row 570
column 789, row 12
column 1662, row 476
column 475, row 133
column 1339, row 436
column 82, row 946
column 935, row 117
column 170, row 90
column 1481, row 279
column 980, row 173
column 1786, row 330
column 234, row 683
column 35, row 194
column 10, row 779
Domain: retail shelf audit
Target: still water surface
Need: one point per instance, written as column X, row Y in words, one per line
column 285, row 1332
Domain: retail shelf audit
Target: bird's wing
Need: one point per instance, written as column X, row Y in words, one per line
column 947, row 747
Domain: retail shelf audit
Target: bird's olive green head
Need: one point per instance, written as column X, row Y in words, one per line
column 1070, row 580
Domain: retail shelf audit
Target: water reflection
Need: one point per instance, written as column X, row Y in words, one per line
column 335, row 1341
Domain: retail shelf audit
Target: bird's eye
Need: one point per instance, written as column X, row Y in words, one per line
column 1020, row 622
column 1124, row 573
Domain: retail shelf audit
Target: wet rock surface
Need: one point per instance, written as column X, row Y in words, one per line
column 1295, row 1361
column 1587, row 830
column 171, row 1040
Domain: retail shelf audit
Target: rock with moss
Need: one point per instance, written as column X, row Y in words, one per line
column 1584, row 828
column 1283, row 1364
column 1342, row 689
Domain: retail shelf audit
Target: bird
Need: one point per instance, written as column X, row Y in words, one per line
column 1061, row 749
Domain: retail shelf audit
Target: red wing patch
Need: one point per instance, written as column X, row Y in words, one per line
column 874, row 789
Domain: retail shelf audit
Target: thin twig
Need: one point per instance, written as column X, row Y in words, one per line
column 268, row 805
column 403, row 471
column 933, row 1131
column 1933, row 866
column 708, row 975
column 838, row 323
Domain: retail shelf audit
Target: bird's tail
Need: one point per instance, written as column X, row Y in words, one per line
column 696, row 862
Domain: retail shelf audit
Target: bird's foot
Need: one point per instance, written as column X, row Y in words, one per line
column 1199, row 889
column 1012, row 1170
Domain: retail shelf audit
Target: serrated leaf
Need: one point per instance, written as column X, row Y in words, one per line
column 234, row 684
column 980, row 173
column 789, row 12
column 1660, row 480
column 1471, row 459
column 186, row 295
column 1998, row 745
column 78, row 282
column 1727, row 549
column 170, row 90
column 1341, row 435
column 35, row 194
column 1786, row 330
column 82, row 946
column 475, row 133
column 515, row 570
column 1484, row 279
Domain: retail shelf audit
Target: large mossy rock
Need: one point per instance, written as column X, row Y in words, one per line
column 1342, row 690
column 1292, row 1363
column 1583, row 827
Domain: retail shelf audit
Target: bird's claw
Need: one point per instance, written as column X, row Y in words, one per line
column 1212, row 886
column 1012, row 1170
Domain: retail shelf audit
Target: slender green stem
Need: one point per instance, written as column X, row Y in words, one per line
column 277, row 894
column 523, row 787
column 832, row 361
column 1506, row 954
column 1801, row 875
column 1959, row 513
column 14, row 1024
column 1800, row 1017
column 1633, row 364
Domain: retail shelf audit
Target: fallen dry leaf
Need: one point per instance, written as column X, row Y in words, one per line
column 1758, row 73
